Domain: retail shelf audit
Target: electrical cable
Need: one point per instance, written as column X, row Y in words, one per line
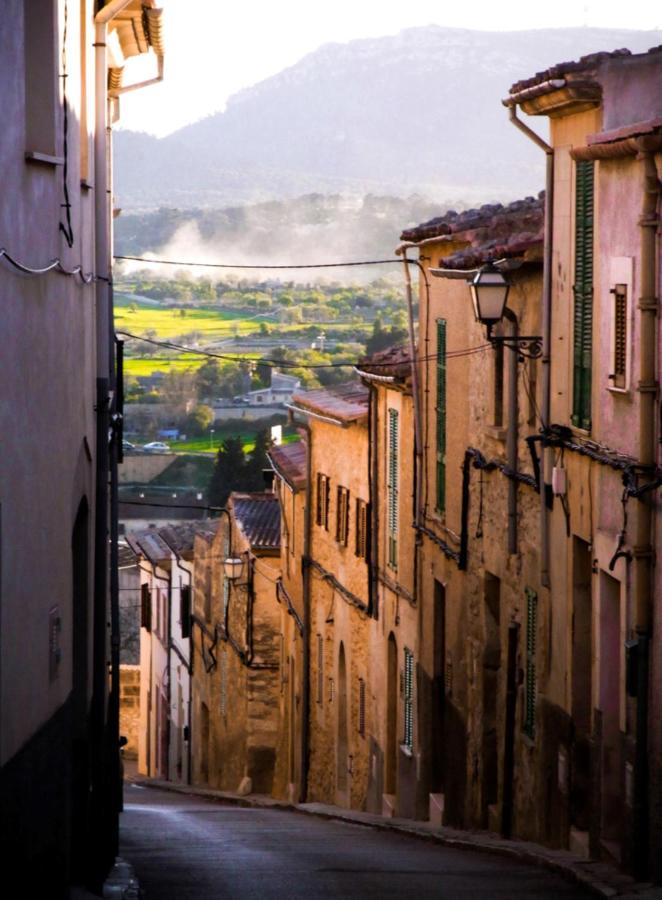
column 66, row 229
column 271, row 362
column 328, row 265
column 54, row 265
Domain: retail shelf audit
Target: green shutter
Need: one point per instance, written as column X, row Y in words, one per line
column 392, row 486
column 530, row 686
column 583, row 291
column 441, row 414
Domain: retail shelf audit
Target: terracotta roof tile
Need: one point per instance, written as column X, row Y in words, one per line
column 346, row 402
column 289, row 461
column 393, row 362
column 493, row 231
column 258, row 516
column 574, row 67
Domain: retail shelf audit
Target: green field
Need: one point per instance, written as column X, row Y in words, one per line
column 170, row 323
column 211, row 445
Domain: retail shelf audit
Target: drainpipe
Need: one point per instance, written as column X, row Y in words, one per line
column 643, row 551
column 546, row 328
column 305, row 675
column 512, row 433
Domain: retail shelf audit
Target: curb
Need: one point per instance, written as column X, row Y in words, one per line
column 602, row 879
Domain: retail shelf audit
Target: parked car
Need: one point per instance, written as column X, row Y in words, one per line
column 156, row 447
column 127, row 445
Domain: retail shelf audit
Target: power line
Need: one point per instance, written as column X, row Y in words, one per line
column 271, row 362
column 202, row 265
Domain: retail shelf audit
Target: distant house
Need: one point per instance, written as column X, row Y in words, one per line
column 280, row 391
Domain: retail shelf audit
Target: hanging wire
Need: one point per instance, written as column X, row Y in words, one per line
column 55, row 265
column 66, row 229
column 218, row 265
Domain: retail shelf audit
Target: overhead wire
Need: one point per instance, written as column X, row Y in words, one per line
column 55, row 265
column 271, row 362
column 218, row 265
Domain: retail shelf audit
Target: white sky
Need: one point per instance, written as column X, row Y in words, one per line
column 216, row 47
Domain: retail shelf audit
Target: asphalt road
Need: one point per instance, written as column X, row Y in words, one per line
column 187, row 848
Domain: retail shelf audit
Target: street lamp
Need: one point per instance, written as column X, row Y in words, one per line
column 232, row 568
column 211, row 438
column 489, row 293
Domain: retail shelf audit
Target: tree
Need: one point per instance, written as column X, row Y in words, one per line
column 199, row 420
column 208, row 379
column 229, row 472
column 257, row 462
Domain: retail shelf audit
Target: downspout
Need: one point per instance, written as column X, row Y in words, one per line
column 512, row 434
column 643, row 551
column 546, row 329
column 305, row 687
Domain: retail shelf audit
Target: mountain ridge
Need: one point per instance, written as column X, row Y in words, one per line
column 398, row 114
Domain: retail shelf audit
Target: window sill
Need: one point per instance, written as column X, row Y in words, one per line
column 619, row 391
column 498, row 432
column 43, row 159
column 85, row 185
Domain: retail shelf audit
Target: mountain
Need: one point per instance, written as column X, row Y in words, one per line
column 416, row 112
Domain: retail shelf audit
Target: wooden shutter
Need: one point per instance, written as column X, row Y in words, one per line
column 145, row 607
column 530, row 686
column 409, row 699
column 441, row 414
column 583, row 291
column 392, row 487
column 361, row 529
column 320, row 668
column 342, row 515
column 620, row 336
column 361, row 707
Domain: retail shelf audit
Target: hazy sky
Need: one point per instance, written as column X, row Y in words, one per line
column 216, row 47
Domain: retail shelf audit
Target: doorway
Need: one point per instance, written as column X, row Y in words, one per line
column 582, row 684
column 438, row 689
column 612, row 812
column 391, row 760
column 342, row 747
column 491, row 676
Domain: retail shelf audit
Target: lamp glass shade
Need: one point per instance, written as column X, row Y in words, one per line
column 489, row 292
column 232, row 567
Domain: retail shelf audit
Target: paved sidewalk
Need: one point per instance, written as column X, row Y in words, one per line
column 602, row 879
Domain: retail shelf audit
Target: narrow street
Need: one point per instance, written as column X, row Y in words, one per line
column 186, row 848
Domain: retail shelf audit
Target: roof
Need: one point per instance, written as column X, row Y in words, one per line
column 345, row 403
column 258, row 517
column 574, row 68
column 125, row 556
column 289, row 461
column 150, row 544
column 181, row 537
column 393, row 362
column 492, row 231
column 133, row 31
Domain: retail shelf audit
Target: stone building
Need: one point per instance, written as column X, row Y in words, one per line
column 289, row 462
column 337, row 612
column 237, row 649
column 600, row 538
column 59, row 782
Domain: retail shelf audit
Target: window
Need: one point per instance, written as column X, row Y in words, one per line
column 361, row 707
column 361, row 548
column 530, row 684
column 320, row 668
column 342, row 515
column 392, row 487
column 620, row 334
column 441, row 414
column 185, row 609
column 41, row 77
column 332, row 689
column 145, row 607
column 583, row 290
column 322, row 509
column 408, row 689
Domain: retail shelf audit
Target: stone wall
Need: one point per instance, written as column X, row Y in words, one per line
column 130, row 708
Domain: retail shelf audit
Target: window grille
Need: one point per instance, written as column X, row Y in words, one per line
column 332, row 689
column 361, row 549
column 392, row 486
column 342, row 515
column 530, row 686
column 583, row 290
column 409, row 699
column 441, row 414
